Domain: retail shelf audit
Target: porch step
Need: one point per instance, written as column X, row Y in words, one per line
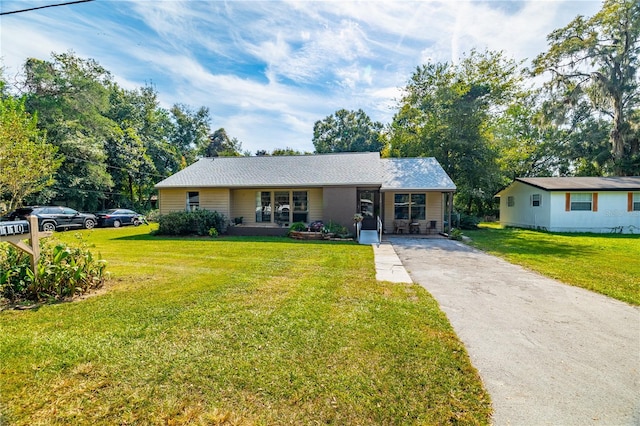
column 369, row 237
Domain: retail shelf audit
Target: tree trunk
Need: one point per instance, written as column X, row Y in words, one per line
column 131, row 189
column 617, row 135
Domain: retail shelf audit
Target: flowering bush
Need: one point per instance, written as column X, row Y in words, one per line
column 316, row 226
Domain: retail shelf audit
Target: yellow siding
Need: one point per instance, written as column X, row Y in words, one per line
column 243, row 204
column 315, row 204
column 435, row 209
column 387, row 220
column 216, row 200
column 172, row 200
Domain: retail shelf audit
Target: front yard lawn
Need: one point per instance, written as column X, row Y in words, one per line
column 604, row 263
column 236, row 331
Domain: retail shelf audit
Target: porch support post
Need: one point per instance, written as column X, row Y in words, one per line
column 450, row 205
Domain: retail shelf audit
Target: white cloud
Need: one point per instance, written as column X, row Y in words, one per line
column 267, row 70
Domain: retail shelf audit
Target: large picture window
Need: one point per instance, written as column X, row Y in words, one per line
column 276, row 206
column 410, row 206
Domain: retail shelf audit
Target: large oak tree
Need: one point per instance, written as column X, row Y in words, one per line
column 593, row 64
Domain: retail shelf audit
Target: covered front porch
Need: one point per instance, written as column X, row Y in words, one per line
column 417, row 212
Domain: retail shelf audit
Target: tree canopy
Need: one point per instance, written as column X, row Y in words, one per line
column 593, row 67
column 347, row 131
column 450, row 111
column 27, row 162
column 111, row 144
column 484, row 118
column 220, row 145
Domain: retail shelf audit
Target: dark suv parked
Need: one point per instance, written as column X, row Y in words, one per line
column 51, row 218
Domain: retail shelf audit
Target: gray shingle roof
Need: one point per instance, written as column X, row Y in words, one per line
column 623, row 183
column 415, row 174
column 343, row 169
column 280, row 171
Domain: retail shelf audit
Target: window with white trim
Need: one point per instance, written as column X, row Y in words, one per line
column 193, row 201
column 536, row 200
column 581, row 201
column 636, row 202
column 511, row 201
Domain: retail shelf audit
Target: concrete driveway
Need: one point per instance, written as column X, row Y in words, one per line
column 548, row 353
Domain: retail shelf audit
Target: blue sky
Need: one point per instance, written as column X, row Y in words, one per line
column 268, row 70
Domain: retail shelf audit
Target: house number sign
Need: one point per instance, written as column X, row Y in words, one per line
column 15, row 232
column 18, row 227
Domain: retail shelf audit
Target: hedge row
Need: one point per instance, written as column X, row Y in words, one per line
column 198, row 222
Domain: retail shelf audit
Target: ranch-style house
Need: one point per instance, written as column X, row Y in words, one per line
column 265, row 194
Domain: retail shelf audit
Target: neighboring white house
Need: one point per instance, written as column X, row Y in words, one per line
column 573, row 204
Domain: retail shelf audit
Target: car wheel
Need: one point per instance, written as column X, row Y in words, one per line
column 48, row 227
column 136, row 222
column 116, row 224
column 89, row 224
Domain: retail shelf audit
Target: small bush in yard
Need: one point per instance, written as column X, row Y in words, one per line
column 455, row 234
column 62, row 272
column 298, row 227
column 469, row 222
column 197, row 222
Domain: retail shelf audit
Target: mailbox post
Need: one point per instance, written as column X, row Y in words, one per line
column 16, row 232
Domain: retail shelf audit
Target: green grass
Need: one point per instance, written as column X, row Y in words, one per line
column 605, row 263
column 236, row 331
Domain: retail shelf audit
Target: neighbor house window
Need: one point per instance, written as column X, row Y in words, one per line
column 581, row 202
column 511, row 201
column 634, row 202
column 536, row 200
column 412, row 206
column 193, row 201
column 300, row 206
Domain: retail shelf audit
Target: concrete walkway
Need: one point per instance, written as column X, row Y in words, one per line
column 548, row 353
column 388, row 265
